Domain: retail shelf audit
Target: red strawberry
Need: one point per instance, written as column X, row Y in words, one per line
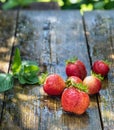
column 73, row 80
column 76, row 68
column 74, row 101
column 82, row 68
column 54, row 85
column 73, row 70
column 93, row 84
column 100, row 67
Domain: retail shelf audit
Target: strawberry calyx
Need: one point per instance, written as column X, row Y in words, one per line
column 42, row 78
column 99, row 76
column 79, row 86
column 68, row 82
column 72, row 60
column 106, row 62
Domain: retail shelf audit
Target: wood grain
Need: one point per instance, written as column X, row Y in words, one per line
column 100, row 36
column 7, row 32
column 50, row 38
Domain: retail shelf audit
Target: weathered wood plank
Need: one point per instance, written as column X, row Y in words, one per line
column 7, row 32
column 100, row 35
column 49, row 38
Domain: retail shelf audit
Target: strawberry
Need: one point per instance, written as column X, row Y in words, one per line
column 74, row 101
column 76, row 67
column 54, row 85
column 73, row 80
column 82, row 67
column 100, row 67
column 93, row 84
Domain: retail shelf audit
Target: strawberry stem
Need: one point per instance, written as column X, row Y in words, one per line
column 42, row 78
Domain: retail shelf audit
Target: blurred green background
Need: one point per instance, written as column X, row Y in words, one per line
column 82, row 5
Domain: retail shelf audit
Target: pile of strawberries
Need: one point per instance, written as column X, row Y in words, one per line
column 78, row 86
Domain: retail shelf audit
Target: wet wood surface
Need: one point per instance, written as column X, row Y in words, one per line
column 100, row 37
column 7, row 33
column 50, row 38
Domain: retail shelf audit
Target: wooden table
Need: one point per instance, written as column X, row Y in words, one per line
column 50, row 38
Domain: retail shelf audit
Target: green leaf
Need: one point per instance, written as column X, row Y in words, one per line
column 9, row 4
column 16, row 65
column 31, row 69
column 14, row 3
column 26, row 2
column 30, row 80
column 6, row 82
column 99, row 5
column 24, row 79
column 28, row 73
column 21, row 79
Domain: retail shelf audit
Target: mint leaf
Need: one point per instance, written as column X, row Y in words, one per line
column 16, row 65
column 31, row 70
column 6, row 82
column 28, row 73
column 25, row 80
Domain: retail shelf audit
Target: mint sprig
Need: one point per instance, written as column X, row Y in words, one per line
column 25, row 71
